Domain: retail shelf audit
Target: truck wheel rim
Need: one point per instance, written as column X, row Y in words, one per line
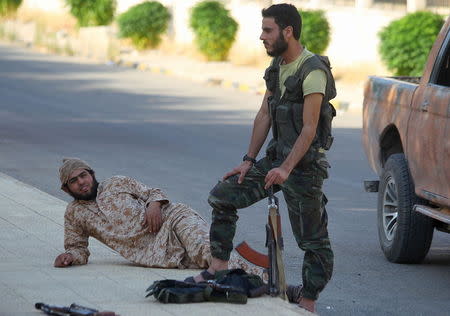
column 390, row 209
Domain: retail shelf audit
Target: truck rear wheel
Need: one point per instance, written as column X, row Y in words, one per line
column 405, row 236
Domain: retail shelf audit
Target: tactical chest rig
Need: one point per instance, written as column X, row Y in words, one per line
column 286, row 111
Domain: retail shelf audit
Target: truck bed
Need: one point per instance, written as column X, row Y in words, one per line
column 387, row 102
column 415, row 80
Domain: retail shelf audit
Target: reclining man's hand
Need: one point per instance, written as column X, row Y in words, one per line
column 63, row 260
column 153, row 217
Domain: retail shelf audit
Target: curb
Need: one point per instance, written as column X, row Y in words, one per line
column 339, row 105
column 257, row 88
column 243, row 87
column 141, row 66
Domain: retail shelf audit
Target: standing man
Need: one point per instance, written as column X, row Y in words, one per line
column 299, row 86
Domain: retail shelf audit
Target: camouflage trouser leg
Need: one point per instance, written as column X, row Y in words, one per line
column 308, row 217
column 307, row 214
column 228, row 196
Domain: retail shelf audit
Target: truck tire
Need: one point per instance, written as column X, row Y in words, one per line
column 405, row 236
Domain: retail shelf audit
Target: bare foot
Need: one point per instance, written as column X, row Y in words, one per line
column 307, row 304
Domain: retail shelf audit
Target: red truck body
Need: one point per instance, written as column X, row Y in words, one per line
column 410, row 118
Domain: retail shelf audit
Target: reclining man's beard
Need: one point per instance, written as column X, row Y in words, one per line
column 279, row 46
column 89, row 196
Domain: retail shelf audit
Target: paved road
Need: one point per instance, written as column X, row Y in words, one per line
column 182, row 137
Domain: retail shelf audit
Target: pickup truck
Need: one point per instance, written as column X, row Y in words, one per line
column 406, row 138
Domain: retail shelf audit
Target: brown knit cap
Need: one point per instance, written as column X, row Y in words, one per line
column 68, row 166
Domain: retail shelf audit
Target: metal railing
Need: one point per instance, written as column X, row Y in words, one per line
column 350, row 3
column 393, row 2
column 440, row 6
column 438, row 3
column 306, row 3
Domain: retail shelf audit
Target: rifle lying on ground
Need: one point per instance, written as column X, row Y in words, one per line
column 72, row 310
column 273, row 262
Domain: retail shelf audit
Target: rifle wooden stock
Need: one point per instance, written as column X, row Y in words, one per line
column 273, row 262
column 252, row 255
column 277, row 264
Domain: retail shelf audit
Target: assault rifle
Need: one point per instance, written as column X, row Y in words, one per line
column 72, row 310
column 273, row 262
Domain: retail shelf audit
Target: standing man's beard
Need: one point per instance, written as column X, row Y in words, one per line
column 279, row 47
column 88, row 196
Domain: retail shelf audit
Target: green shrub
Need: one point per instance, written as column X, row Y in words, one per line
column 92, row 12
column 144, row 24
column 405, row 43
column 8, row 7
column 315, row 31
column 215, row 30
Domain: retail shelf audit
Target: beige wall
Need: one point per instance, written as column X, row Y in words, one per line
column 354, row 33
column 46, row 5
column 354, row 30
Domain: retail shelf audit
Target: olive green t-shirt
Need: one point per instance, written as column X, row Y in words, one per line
column 315, row 82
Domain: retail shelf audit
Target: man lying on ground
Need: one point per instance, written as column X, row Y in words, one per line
column 136, row 221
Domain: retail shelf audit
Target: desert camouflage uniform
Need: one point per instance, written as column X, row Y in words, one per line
column 115, row 218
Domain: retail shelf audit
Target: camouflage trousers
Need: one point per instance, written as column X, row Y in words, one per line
column 306, row 206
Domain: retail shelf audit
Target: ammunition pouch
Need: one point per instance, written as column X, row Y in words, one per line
column 271, row 150
column 287, row 111
column 327, row 113
column 229, row 286
column 271, row 75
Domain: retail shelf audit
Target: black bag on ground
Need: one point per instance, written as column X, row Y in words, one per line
column 173, row 291
column 252, row 284
column 229, row 286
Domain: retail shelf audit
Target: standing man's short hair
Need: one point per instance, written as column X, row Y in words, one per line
column 285, row 15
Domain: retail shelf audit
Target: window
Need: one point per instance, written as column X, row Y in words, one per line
column 443, row 78
column 441, row 72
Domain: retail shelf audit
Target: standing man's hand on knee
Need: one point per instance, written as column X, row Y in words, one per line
column 242, row 170
column 153, row 217
column 63, row 260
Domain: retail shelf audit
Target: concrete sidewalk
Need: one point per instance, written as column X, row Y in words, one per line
column 31, row 236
